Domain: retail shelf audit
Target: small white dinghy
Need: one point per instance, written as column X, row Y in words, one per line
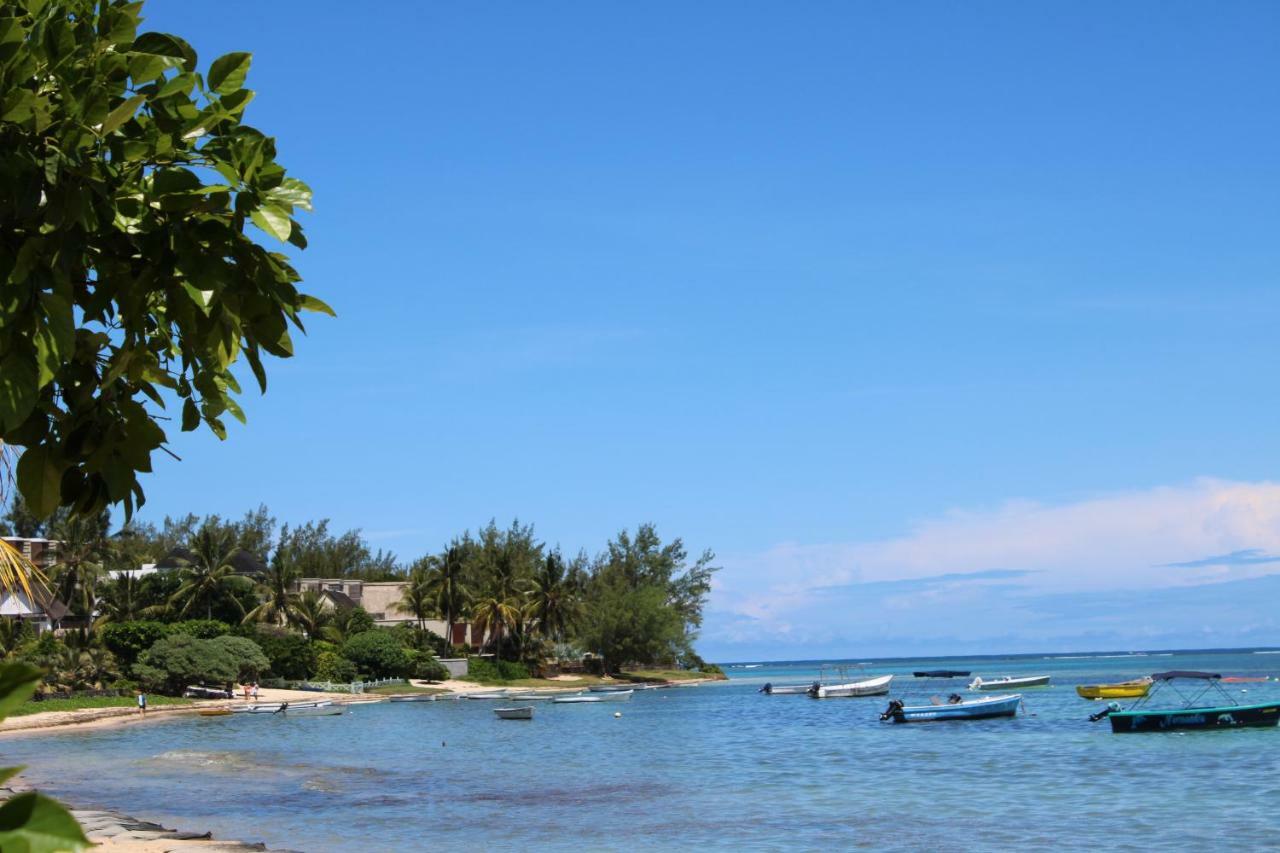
column 868, row 687
column 489, row 694
column 514, row 713
column 785, row 689
column 1009, row 682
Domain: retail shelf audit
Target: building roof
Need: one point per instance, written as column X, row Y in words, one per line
column 339, row 599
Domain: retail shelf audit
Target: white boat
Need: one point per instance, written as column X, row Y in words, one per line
column 1009, row 682
column 542, row 695
column 514, row 713
column 610, row 688
column 273, row 707
column 325, row 710
column 785, row 689
column 868, row 687
column 616, row 696
column 956, row 708
column 492, row 694
column 428, row 697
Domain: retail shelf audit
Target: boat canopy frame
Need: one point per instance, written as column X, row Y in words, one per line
column 1207, row 682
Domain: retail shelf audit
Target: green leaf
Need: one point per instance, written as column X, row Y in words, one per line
column 7, row 773
column 17, row 682
column 39, row 480
column 164, row 44
column 292, row 192
column 273, row 220
column 190, row 415
column 19, row 388
column 310, row 303
column 121, row 114
column 34, row 823
column 228, row 72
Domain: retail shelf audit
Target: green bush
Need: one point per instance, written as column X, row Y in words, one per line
column 378, row 654
column 128, row 640
column 291, row 656
column 250, row 660
column 486, row 669
column 429, row 669
column 331, row 666
column 177, row 661
column 201, row 629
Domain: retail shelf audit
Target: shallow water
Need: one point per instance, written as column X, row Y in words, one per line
column 711, row 766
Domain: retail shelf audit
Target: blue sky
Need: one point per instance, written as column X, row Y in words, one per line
column 813, row 280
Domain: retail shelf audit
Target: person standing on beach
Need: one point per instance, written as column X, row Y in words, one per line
column 255, row 691
column 142, row 704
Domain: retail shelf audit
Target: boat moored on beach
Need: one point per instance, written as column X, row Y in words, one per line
column 1120, row 690
column 956, row 707
column 1009, row 682
column 1205, row 706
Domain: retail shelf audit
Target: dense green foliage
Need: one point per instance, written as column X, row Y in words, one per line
column 289, row 654
column 488, row 671
column 180, row 660
column 378, row 654
column 128, row 640
column 130, row 279
column 331, row 666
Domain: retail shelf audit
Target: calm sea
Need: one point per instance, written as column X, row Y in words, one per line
column 714, row 766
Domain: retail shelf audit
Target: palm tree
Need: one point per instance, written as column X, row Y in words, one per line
column 493, row 613
column 446, row 584
column 208, row 574
column 417, row 599
column 278, row 598
column 553, row 604
column 309, row 614
column 119, row 601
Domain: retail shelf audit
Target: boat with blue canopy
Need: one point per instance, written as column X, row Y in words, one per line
column 1205, row 705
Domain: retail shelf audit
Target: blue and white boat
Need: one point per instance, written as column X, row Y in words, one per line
column 956, row 707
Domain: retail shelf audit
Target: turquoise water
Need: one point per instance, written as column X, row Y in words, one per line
column 713, row 766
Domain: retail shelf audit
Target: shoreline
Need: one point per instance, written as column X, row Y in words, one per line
column 82, row 719
column 114, row 831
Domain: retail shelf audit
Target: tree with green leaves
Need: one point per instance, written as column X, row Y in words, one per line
column 553, row 603
column 278, row 597
column 447, row 583
column 417, row 600
column 131, row 278
column 310, row 615
column 209, row 574
column 644, row 600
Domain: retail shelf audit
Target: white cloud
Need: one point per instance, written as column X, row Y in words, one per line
column 1110, row 544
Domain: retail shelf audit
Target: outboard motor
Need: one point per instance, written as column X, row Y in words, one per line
column 813, row 689
column 893, row 712
column 768, row 688
column 955, row 699
column 1105, row 712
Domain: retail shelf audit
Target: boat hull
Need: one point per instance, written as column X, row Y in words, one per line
column 786, row 689
column 970, row 709
column 1193, row 719
column 1011, row 683
column 1122, row 690
column 514, row 713
column 870, row 687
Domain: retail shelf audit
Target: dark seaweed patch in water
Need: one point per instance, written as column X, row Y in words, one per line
column 606, row 794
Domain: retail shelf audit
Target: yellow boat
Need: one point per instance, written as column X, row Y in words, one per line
column 1122, row 690
column 215, row 712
